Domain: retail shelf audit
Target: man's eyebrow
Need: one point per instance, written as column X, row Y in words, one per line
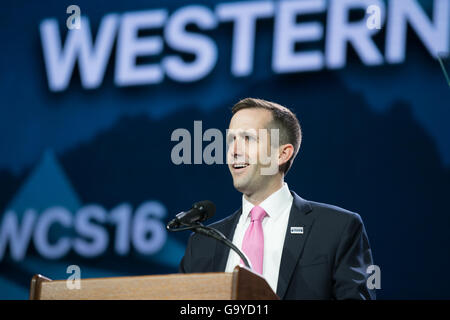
column 247, row 132
column 250, row 132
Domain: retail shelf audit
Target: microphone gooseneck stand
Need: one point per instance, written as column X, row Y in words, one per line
column 213, row 233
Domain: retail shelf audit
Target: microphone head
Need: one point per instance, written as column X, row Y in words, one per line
column 206, row 206
column 199, row 212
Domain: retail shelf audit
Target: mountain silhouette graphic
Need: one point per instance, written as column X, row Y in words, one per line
column 47, row 186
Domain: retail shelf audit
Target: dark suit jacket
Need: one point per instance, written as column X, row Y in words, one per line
column 328, row 261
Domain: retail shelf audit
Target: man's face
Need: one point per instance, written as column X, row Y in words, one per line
column 248, row 151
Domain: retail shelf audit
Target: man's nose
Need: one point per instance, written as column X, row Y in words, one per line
column 237, row 148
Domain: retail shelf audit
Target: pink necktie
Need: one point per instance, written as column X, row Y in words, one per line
column 253, row 243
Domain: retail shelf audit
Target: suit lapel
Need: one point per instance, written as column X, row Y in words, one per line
column 294, row 242
column 227, row 227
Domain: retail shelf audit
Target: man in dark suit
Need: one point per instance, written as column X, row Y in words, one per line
column 304, row 249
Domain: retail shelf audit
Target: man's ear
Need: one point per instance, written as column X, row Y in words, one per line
column 286, row 152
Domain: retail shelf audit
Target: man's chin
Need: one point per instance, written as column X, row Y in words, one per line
column 240, row 186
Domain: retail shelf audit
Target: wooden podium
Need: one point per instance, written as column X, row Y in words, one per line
column 241, row 284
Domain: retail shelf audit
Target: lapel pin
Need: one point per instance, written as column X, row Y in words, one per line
column 296, row 230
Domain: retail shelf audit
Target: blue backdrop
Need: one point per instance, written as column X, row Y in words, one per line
column 86, row 118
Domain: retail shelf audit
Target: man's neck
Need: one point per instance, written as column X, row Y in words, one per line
column 259, row 196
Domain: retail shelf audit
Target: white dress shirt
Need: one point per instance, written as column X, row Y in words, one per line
column 277, row 206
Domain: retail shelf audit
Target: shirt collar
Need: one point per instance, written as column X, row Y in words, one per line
column 273, row 204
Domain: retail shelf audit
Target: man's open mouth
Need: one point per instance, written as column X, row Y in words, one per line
column 240, row 165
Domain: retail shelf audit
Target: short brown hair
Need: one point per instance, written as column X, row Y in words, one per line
column 283, row 119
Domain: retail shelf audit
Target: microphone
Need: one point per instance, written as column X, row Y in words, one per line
column 192, row 219
column 199, row 212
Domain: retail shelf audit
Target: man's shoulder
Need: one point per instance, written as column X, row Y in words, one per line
column 333, row 213
column 332, row 209
column 331, row 222
column 323, row 210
